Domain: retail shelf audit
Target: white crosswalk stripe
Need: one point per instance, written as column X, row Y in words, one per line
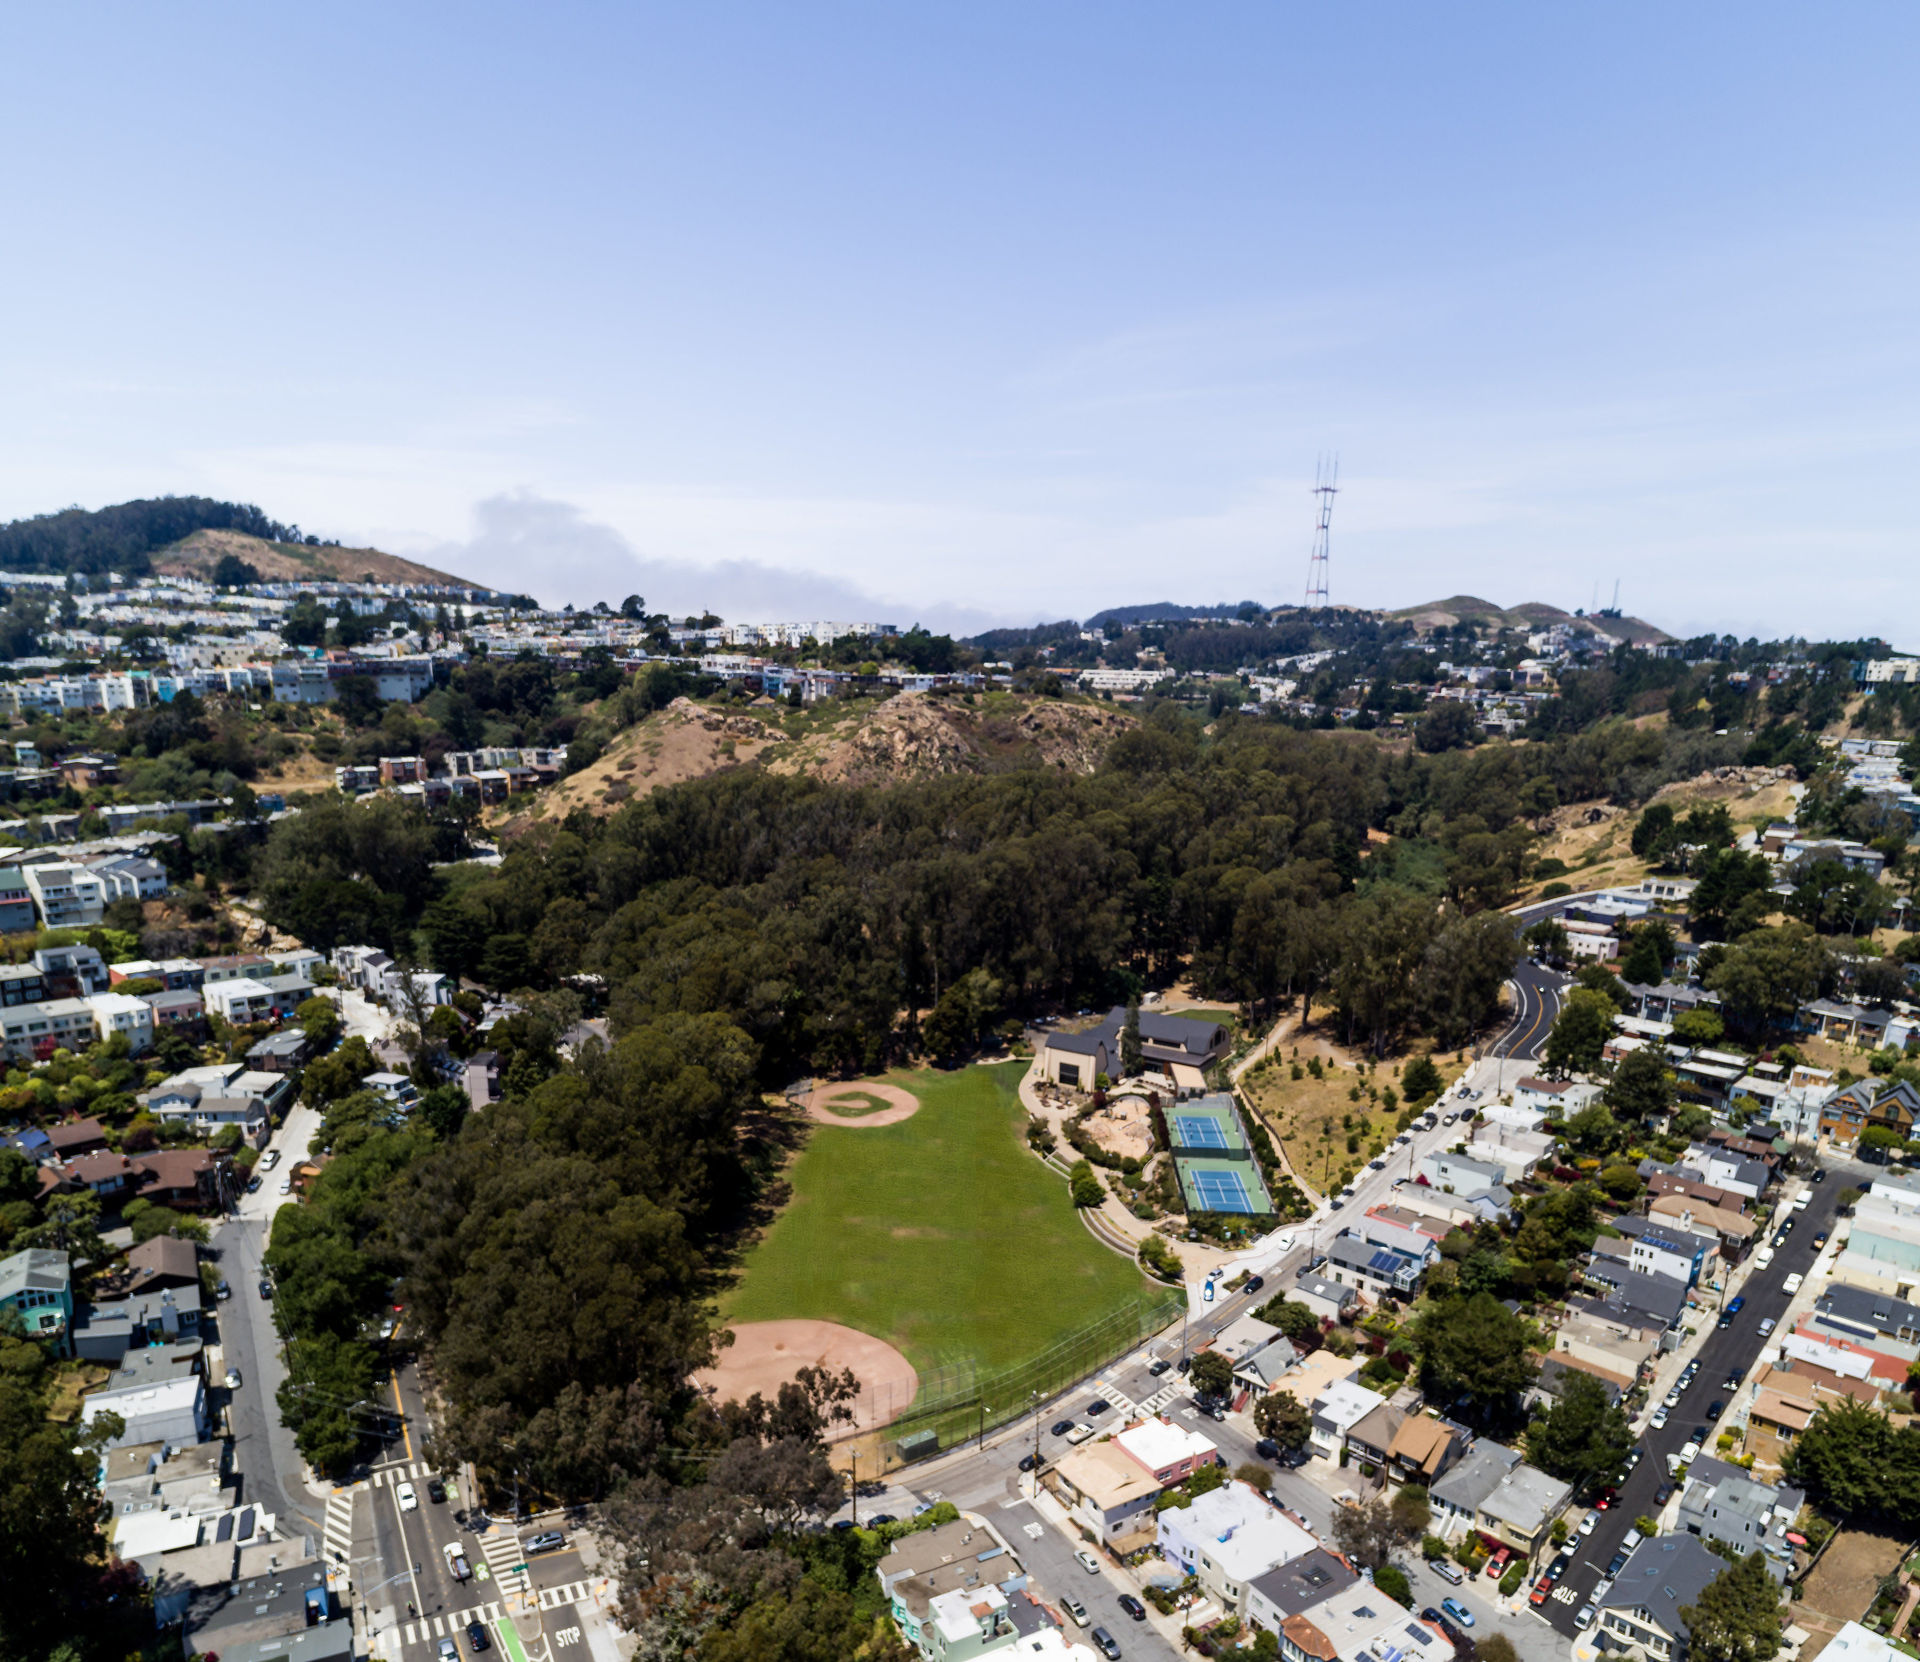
column 337, row 1528
column 502, row 1553
column 388, row 1477
column 551, row 1598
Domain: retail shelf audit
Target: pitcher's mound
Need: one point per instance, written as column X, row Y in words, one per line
column 863, row 1102
column 765, row 1355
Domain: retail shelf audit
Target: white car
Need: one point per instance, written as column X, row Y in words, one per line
column 1589, row 1523
column 1794, row 1282
column 286, row 1185
column 1077, row 1611
column 1087, row 1561
column 1673, row 1397
column 1763, row 1257
column 1080, row 1433
column 270, row 1159
column 233, row 1379
column 1659, row 1420
column 408, row 1499
column 1584, row 1620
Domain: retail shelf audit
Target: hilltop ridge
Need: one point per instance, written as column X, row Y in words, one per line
column 1531, row 614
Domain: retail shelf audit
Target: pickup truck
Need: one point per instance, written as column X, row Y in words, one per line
column 457, row 1565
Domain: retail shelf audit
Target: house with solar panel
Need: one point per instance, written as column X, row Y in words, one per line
column 1178, row 1049
column 1376, row 1270
column 1213, row 1160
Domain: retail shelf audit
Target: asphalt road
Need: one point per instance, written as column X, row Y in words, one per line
column 1721, row 1352
column 1538, row 993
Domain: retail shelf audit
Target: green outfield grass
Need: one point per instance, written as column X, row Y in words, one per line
column 941, row 1234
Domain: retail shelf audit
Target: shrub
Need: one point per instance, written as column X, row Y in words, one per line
column 1510, row 1582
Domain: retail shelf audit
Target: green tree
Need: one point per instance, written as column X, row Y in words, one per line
column 1853, row 1460
column 1766, row 975
column 1392, row 1580
column 1280, row 1416
column 1084, row 1186
column 1699, row 1027
column 1368, row 1533
column 1594, row 1130
column 1130, row 1039
column 1474, row 1347
column 319, row 1019
column 1641, row 1088
column 1421, row 1080
column 1496, row 1647
column 1581, row 1438
column 1738, row 1616
column 1211, row 1373
column 1580, row 1033
column 1294, row 1319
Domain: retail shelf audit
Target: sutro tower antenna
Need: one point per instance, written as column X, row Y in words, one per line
column 1326, row 475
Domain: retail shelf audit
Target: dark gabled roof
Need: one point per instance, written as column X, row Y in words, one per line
column 1662, row 1576
column 1301, row 1583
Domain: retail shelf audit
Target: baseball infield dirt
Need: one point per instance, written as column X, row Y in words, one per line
column 765, row 1355
column 859, row 1097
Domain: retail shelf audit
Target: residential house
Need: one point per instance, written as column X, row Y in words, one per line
column 1479, row 1183
column 1423, row 1448
column 961, row 1557
column 1663, row 1576
column 1517, row 1154
column 72, row 970
column 181, row 1011
column 1360, row 1623
column 1266, row 1370
column 397, row 1088
column 164, row 1261
column 84, row 1136
column 131, row 1017
column 1519, row 1510
column 37, row 1285
column 1622, row 1353
column 1379, row 1271
column 1734, row 1230
column 1869, row 1315
column 283, row 1052
column 1550, row 1383
column 107, row 1330
column 1724, row 1169
column 68, row 896
column 238, row 1000
column 1329, row 1300
column 1663, row 1297
column 1402, row 1230
column 1456, row 1497
column 16, row 902
column 1296, row 1587
column 1847, row 1113
column 21, row 984
column 1336, row 1410
column 1724, row 1503
column 1106, row 1490
column 175, row 1411
column 1168, row 1453
column 1227, row 1538
column 1658, row 1248
column 1883, row 1243
column 33, row 1032
column 1370, row 1436
column 1180, row 1048
column 481, row 1079
column 1558, row 1097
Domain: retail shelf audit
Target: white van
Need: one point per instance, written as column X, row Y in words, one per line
column 1763, row 1257
column 1803, row 1200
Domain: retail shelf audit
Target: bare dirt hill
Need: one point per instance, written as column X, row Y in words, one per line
column 197, row 555
column 916, row 736
column 908, row 737
column 1531, row 614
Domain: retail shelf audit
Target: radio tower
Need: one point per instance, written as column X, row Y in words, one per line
column 1325, row 486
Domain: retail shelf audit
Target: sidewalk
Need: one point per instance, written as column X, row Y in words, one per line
column 1168, row 1627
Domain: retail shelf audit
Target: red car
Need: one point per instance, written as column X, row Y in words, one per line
column 1607, row 1498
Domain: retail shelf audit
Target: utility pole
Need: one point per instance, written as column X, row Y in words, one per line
column 853, row 1483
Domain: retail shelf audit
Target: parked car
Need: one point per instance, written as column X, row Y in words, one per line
column 1133, row 1607
column 1584, row 1620
column 1159, row 1366
column 1099, row 1405
column 551, row 1540
column 1028, row 1462
column 1079, row 1434
column 233, row 1379
column 223, row 1290
column 1793, row 1283
column 286, row 1185
column 456, row 1556
column 1819, row 1240
column 1254, row 1284
column 1673, row 1397
column 1714, row 1409
column 1613, row 1566
column 1445, row 1571
column 1726, row 1321
column 1060, row 1428
column 1458, row 1611
column 253, row 1185
column 1730, row 1383
column 1105, row 1643
column 266, row 1287
column 449, row 1651
column 1267, row 1449
column 1663, row 1494
column 1087, row 1561
column 1077, row 1611
column 1589, row 1523
column 1761, row 1260
column 1766, row 1327
column 1659, row 1420
column 1736, row 1304
column 270, row 1159
column 1819, row 1177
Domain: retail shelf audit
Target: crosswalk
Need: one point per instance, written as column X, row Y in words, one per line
column 336, row 1531
column 409, row 1471
column 502, row 1553
column 449, row 1626
column 575, row 1592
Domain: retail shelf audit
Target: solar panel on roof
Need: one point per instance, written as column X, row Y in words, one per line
column 1384, row 1261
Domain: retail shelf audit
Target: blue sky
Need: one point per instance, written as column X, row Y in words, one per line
column 991, row 312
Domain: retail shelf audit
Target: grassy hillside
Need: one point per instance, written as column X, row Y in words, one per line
column 1532, row 614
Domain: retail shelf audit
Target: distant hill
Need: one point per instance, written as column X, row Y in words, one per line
column 198, row 554
column 1160, row 611
column 186, row 536
column 1533, row 614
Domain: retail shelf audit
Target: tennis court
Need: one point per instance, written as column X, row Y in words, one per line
column 1200, row 1131
column 1221, row 1191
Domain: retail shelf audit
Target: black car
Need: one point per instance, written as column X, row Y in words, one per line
column 1726, row 1321
column 1819, row 1177
column 436, row 1491
column 1663, row 1494
column 1294, row 1458
column 253, row 1185
column 266, row 1287
column 1186, row 1362
column 1613, row 1566
column 1028, row 1462
column 1267, row 1449
column 1160, row 1366
column 477, row 1637
column 1254, row 1284
column 1133, row 1607
column 880, row 1518
column 1105, row 1643
column 1099, row 1405
column 1730, row 1383
column 1714, row 1408
column 1060, row 1428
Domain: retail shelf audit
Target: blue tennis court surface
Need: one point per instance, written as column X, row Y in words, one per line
column 1221, row 1191
column 1200, row 1131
